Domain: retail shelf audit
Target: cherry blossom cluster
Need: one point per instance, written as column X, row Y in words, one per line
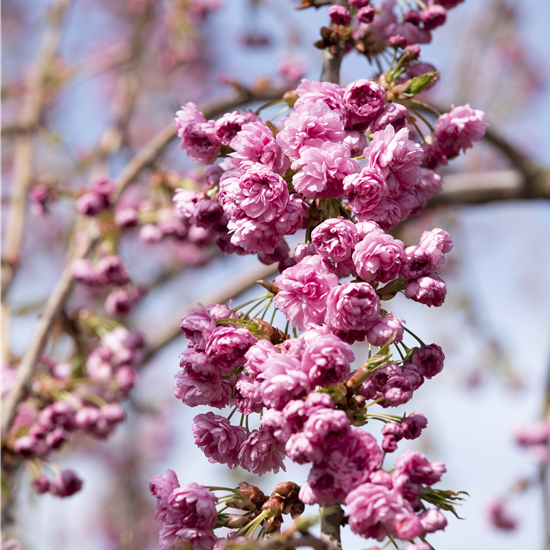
column 344, row 166
column 68, row 398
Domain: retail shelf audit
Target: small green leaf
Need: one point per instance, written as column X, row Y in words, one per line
column 418, row 83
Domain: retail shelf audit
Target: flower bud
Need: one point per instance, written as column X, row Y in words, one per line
column 67, row 483
column 287, row 489
column 236, row 522
column 41, row 484
column 366, row 14
column 274, row 506
column 297, row 509
column 273, row 524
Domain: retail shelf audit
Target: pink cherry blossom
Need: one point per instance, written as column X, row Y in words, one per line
column 261, row 453
column 378, row 257
column 429, row 290
column 335, row 238
column 365, row 190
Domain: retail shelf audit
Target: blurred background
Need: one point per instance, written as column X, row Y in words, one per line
column 121, row 71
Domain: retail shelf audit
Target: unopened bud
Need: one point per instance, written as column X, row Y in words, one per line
column 272, row 525
column 273, row 506
column 287, row 489
column 297, row 509
column 290, row 97
column 236, row 522
column 265, row 330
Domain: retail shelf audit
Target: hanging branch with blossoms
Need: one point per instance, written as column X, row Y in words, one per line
column 342, row 169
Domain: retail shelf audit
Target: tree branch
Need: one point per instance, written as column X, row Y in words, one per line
column 331, row 521
column 145, row 156
column 333, row 55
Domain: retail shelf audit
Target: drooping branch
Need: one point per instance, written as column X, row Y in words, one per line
column 89, row 236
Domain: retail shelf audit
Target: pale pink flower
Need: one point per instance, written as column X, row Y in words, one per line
column 387, row 327
column 255, row 144
column 407, row 526
column 433, row 520
column 459, row 129
column 356, row 141
column 387, row 214
column 321, row 170
column 200, row 142
column 396, row 156
column 294, row 217
column 325, row 425
column 253, row 235
column 276, row 424
column 325, row 92
column 300, row 449
column 365, row 190
column 339, row 15
column 304, row 291
column 311, row 126
column 261, row 453
column 500, row 517
column 372, row 510
column 188, row 115
column 257, row 356
column 230, row 124
column 227, row 345
column 198, row 325
column 248, row 395
column 437, row 242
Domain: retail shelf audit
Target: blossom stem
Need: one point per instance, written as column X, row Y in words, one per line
column 389, row 536
column 399, row 351
column 232, row 413
column 423, row 119
column 395, row 49
column 375, row 402
column 426, row 106
column 419, row 131
column 269, row 104
column 246, row 424
column 250, row 302
column 420, row 537
column 255, row 306
column 414, row 336
column 273, row 316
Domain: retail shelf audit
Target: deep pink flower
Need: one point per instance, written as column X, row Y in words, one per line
column 254, row 236
column 41, row 484
column 326, row 424
column 227, row 345
column 429, row 290
column 327, row 361
column 501, row 518
column 188, row 115
column 413, row 425
column 378, row 257
column 433, row 16
column 387, row 214
column 294, row 347
column 304, row 290
column 429, row 360
column 111, row 270
column 321, row 486
column 264, row 193
column 407, row 526
column 257, row 356
column 195, row 506
column 356, row 141
column 372, row 510
column 255, row 144
column 417, row 262
column 366, row 14
column 261, row 453
column 276, row 424
column 321, row 170
column 218, row 439
column 353, row 458
column 459, row 129
column 230, row 124
column 412, row 470
column 394, row 114
column 436, row 242
column 311, row 126
column 280, row 255
column 91, row 204
column 102, row 185
column 65, row 484
column 294, row 217
column 433, row 520
column 397, row 391
column 364, row 98
column 365, row 190
column 85, row 272
column 339, row 15
column 198, row 325
column 200, row 142
column 300, row 449
column 194, row 390
column 396, row 156
column 386, row 328
column 359, row 3
column 296, row 413
column 335, row 238
column 283, row 380
column 248, row 395
column 352, row 307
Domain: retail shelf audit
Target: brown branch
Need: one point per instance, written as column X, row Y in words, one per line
column 239, row 284
column 331, row 521
column 333, row 55
column 31, row 113
column 145, row 156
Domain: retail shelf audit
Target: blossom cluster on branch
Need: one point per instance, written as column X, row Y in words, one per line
column 344, row 167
